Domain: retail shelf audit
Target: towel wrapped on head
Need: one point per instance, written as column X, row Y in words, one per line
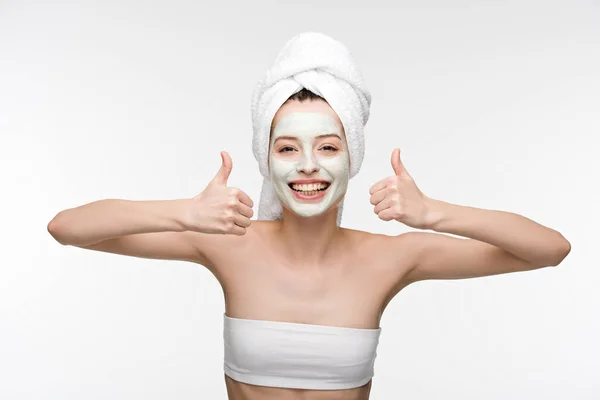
column 325, row 67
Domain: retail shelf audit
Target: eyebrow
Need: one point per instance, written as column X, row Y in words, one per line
column 318, row 137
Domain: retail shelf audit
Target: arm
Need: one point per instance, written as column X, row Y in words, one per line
column 496, row 242
column 147, row 229
column 104, row 219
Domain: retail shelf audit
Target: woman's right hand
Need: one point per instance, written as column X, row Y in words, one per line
column 219, row 208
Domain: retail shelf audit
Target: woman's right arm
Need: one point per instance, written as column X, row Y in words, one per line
column 105, row 219
column 166, row 229
column 147, row 229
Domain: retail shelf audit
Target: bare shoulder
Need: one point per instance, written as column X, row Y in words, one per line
column 213, row 247
column 395, row 254
column 378, row 241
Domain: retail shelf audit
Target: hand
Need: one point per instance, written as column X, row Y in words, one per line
column 219, row 208
column 398, row 197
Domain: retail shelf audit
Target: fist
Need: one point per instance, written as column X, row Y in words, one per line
column 220, row 209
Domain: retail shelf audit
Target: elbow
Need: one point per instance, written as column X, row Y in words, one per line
column 55, row 231
column 562, row 252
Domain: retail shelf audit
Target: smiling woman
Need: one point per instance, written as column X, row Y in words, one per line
column 304, row 297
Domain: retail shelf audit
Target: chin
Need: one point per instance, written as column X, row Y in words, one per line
column 306, row 212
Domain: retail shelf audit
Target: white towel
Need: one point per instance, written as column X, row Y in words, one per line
column 325, row 67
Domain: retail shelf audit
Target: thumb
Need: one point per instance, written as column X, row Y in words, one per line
column 224, row 171
column 397, row 163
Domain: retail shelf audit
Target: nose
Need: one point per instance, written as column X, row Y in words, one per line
column 307, row 164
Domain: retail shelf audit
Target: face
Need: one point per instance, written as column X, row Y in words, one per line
column 308, row 160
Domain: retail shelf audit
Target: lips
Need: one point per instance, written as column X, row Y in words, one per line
column 317, row 196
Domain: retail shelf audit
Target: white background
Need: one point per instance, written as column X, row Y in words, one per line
column 494, row 104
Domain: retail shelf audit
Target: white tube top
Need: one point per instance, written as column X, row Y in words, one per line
column 299, row 356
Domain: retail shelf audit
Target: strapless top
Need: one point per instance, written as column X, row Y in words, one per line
column 300, row 356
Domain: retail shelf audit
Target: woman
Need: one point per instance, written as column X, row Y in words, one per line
column 303, row 296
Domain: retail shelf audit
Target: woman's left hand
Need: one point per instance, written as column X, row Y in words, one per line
column 398, row 197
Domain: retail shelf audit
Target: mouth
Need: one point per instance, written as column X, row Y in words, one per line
column 312, row 191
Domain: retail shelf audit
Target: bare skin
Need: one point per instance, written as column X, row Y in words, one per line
column 350, row 287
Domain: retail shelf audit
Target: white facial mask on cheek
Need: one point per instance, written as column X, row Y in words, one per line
column 288, row 165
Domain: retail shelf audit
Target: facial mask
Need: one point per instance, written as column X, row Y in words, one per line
column 308, row 158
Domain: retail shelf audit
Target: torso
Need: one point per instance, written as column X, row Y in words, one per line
column 352, row 291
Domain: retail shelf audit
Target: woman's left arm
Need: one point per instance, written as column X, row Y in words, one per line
column 512, row 232
column 496, row 241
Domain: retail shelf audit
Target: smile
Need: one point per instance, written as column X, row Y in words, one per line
column 314, row 191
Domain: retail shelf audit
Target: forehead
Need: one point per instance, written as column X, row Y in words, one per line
column 309, row 106
column 306, row 124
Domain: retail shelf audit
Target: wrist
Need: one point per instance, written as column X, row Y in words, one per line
column 436, row 210
column 180, row 214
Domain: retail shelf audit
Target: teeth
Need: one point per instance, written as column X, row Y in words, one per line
column 309, row 187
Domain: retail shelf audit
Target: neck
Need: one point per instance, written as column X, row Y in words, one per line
column 310, row 241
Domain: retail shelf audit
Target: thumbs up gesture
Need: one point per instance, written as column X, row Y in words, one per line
column 219, row 208
column 398, row 197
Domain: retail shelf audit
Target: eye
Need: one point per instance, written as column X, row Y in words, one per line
column 331, row 148
column 283, row 149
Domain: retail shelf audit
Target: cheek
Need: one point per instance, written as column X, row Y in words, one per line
column 279, row 169
column 337, row 166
